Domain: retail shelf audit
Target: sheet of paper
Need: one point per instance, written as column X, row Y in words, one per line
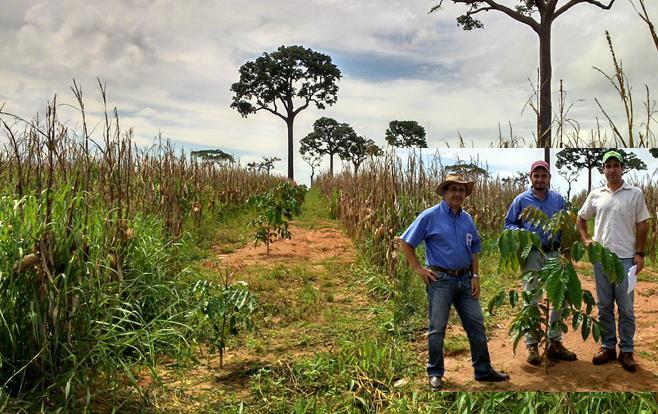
column 632, row 279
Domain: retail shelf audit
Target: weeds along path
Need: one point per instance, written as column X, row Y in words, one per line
column 580, row 375
column 309, row 297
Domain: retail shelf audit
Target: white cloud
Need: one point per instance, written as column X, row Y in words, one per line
column 169, row 65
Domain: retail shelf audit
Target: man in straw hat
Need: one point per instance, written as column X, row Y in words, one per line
column 620, row 224
column 452, row 244
column 541, row 197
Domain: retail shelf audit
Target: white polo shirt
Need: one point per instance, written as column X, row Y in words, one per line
column 616, row 214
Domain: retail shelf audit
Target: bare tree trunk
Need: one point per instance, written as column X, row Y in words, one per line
column 289, row 124
column 545, row 75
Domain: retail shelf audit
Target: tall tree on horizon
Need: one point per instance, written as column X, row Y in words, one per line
column 284, row 83
column 358, row 149
column 406, row 134
column 525, row 12
column 329, row 137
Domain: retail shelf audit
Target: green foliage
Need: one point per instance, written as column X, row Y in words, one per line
column 469, row 170
column 215, row 155
column 521, row 178
column 275, row 208
column 406, row 134
column 287, row 73
column 557, row 278
column 75, row 311
column 515, row 246
column 357, row 149
column 292, row 77
column 360, row 377
column 329, row 137
column 228, row 308
column 266, row 165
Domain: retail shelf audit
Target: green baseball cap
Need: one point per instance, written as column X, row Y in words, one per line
column 613, row 154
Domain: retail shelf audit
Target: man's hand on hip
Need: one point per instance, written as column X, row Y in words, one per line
column 426, row 274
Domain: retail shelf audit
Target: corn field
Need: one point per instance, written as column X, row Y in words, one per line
column 88, row 231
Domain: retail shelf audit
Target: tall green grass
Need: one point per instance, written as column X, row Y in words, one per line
column 95, row 237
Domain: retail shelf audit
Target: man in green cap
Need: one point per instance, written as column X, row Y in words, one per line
column 620, row 224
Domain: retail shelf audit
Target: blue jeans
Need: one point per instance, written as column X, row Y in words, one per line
column 535, row 262
column 455, row 290
column 607, row 294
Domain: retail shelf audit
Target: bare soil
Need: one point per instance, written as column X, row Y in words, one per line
column 580, row 375
column 306, row 246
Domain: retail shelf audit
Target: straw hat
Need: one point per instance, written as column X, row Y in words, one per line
column 455, row 178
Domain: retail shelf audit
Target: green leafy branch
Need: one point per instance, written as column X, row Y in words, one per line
column 557, row 278
column 276, row 208
column 229, row 308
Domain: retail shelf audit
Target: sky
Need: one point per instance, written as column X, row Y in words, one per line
column 168, row 67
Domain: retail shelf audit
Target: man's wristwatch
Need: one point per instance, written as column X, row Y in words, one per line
column 641, row 254
column 474, row 275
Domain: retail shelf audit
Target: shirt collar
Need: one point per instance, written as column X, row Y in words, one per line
column 446, row 209
column 532, row 193
column 624, row 186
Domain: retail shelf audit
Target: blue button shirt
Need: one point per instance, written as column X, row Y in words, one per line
column 449, row 238
column 551, row 204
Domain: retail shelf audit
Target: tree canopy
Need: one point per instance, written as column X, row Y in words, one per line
column 577, row 158
column 468, row 170
column 329, row 137
column 406, row 134
column 266, row 165
column 357, row 149
column 214, row 155
column 284, row 83
column 520, row 178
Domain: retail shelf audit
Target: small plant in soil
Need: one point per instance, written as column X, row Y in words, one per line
column 275, row 208
column 557, row 279
column 229, row 308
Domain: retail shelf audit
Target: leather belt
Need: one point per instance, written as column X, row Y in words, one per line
column 451, row 272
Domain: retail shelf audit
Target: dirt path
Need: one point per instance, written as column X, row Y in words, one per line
column 303, row 283
column 580, row 375
column 306, row 246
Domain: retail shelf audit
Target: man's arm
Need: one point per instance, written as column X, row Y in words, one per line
column 581, row 224
column 512, row 221
column 641, row 230
column 426, row 274
column 475, row 282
